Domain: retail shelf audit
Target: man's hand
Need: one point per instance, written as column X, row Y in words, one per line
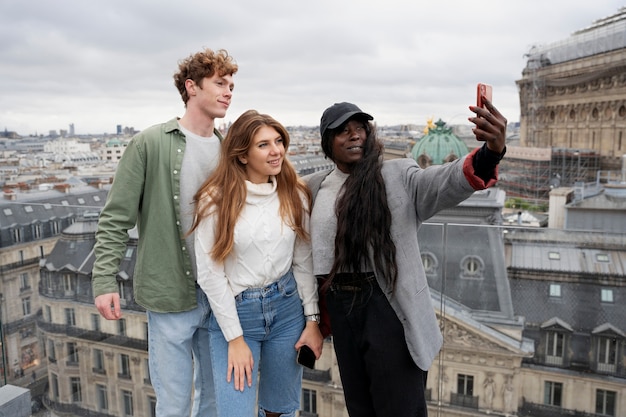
column 109, row 306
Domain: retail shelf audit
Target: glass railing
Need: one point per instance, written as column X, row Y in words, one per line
column 533, row 320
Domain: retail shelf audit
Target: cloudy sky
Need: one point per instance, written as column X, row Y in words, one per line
column 100, row 63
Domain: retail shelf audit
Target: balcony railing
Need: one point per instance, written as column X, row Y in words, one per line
column 466, row 401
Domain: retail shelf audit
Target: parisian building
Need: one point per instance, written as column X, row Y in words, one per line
column 531, row 318
column 572, row 111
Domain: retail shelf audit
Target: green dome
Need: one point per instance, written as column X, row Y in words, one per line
column 438, row 146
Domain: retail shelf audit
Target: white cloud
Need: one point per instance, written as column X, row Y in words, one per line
column 106, row 62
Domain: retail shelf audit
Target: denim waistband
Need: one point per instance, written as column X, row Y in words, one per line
column 271, row 289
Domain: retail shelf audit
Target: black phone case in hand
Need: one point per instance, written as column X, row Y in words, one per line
column 306, row 357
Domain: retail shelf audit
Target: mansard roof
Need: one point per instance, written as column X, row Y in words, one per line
column 74, row 250
column 28, row 208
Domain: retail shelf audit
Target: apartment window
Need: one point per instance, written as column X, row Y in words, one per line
column 554, row 256
column 95, row 322
column 554, row 348
column 70, row 317
column 152, row 406
column 55, row 386
column 20, row 256
column 102, row 397
column 54, row 227
column 124, row 366
column 77, row 395
column 309, row 401
column 52, row 352
column 37, row 231
column 606, row 295
column 26, row 306
column 605, row 402
column 146, row 368
column 72, row 353
column 121, row 327
column 607, row 354
column 81, row 201
column 555, row 290
column 430, row 263
column 46, row 282
column 465, row 385
column 24, row 281
column 16, row 233
column 472, row 267
column 602, row 257
column 68, row 284
column 121, row 289
column 127, row 399
column 48, row 313
column 552, row 394
column 98, row 361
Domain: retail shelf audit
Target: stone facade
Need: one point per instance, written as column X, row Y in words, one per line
column 576, row 104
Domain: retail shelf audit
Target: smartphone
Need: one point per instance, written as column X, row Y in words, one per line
column 306, row 357
column 483, row 90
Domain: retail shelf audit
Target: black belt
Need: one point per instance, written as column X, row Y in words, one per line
column 351, row 282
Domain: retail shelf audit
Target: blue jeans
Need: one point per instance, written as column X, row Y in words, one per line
column 272, row 320
column 180, row 364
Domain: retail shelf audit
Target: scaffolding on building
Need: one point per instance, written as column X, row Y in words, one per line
column 530, row 173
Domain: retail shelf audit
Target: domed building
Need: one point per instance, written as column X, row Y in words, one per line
column 438, row 146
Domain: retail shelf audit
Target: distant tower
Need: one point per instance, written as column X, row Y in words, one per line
column 119, row 129
column 71, row 129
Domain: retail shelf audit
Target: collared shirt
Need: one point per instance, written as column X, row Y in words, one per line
column 146, row 192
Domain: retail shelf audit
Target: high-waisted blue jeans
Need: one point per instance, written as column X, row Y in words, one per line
column 272, row 319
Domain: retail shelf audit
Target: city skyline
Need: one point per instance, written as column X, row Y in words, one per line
column 89, row 63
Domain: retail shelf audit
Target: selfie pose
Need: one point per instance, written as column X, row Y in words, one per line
column 364, row 223
column 254, row 262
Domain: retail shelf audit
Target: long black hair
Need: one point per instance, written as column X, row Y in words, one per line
column 363, row 215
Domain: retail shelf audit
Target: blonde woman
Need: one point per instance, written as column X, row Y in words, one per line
column 254, row 262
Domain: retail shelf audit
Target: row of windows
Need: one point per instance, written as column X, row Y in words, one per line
column 606, row 351
column 70, row 320
column 29, row 209
column 606, row 294
column 605, row 400
column 17, row 233
column 72, row 358
column 553, row 394
column 472, row 267
column 599, row 257
column 102, row 397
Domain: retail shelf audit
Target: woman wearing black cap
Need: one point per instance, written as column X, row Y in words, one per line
column 364, row 224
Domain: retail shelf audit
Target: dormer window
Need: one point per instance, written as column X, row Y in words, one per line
column 606, row 295
column 555, row 291
column 554, row 256
column 472, row 267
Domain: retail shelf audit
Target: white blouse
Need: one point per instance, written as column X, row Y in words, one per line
column 265, row 248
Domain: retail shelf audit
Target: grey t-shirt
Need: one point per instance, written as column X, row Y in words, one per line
column 200, row 159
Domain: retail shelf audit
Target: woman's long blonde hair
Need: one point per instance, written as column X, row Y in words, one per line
column 224, row 191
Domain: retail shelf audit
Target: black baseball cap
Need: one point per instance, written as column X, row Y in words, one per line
column 338, row 114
